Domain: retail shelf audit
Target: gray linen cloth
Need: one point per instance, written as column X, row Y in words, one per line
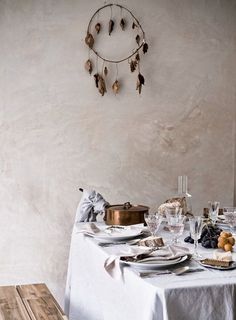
column 91, row 204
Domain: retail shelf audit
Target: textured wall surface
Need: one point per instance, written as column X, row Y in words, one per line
column 58, row 133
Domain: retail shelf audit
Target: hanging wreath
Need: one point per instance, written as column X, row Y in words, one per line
column 133, row 58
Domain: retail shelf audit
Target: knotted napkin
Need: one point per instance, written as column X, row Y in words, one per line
column 91, row 204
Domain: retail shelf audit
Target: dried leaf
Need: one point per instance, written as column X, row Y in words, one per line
column 88, row 66
column 111, row 26
column 101, row 86
column 137, row 57
column 105, row 71
column 138, row 87
column 140, row 83
column 134, row 25
column 96, row 78
column 116, row 87
column 145, row 47
column 141, row 78
column 98, row 27
column 133, row 65
column 89, row 40
column 122, row 24
column 137, row 39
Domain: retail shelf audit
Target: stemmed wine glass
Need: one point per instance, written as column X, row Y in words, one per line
column 153, row 221
column 175, row 220
column 213, row 210
column 230, row 216
column 196, row 225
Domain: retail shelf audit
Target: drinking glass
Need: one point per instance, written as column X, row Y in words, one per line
column 230, row 216
column 175, row 220
column 213, row 210
column 196, row 225
column 153, row 221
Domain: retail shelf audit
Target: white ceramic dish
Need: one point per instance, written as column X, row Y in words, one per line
column 151, row 263
column 222, row 225
column 119, row 235
column 221, row 218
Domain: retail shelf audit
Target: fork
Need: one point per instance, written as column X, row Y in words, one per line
column 177, row 272
column 108, row 244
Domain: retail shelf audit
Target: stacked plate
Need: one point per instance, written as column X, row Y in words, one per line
column 118, row 234
column 154, row 263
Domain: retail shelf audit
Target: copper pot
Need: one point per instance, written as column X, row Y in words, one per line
column 125, row 214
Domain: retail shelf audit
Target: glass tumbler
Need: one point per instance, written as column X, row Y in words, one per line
column 213, row 210
column 175, row 221
column 230, row 217
column 153, row 221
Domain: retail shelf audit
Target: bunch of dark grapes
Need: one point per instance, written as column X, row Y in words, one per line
column 189, row 239
column 209, row 237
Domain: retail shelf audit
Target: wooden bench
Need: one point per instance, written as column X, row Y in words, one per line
column 29, row 302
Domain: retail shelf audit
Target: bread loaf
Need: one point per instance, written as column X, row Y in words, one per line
column 214, row 262
column 151, row 242
column 173, row 203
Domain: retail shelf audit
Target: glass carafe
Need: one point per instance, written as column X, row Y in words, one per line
column 183, row 192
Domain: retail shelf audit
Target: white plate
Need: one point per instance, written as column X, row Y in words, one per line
column 155, row 264
column 230, row 267
column 221, row 218
column 118, row 235
column 222, row 225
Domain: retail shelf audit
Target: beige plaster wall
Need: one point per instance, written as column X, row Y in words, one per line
column 57, row 133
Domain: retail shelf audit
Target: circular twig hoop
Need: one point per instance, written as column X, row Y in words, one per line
column 100, row 77
column 137, row 22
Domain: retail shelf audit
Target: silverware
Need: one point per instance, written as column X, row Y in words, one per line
column 177, row 272
column 108, row 244
column 115, row 227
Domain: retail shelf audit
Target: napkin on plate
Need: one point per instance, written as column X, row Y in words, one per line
column 168, row 253
column 88, row 228
column 91, row 229
column 112, row 263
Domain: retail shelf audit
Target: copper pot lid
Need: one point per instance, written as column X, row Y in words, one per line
column 127, row 206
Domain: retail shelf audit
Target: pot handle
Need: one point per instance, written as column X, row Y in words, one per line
column 127, row 205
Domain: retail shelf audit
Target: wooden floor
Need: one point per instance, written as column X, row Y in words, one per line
column 29, row 302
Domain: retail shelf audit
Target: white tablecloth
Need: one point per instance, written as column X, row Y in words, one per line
column 91, row 294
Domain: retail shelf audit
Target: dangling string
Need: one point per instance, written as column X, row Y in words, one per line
column 97, row 63
column 103, row 67
column 116, row 71
column 111, row 11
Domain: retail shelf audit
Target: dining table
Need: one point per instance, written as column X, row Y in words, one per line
column 93, row 294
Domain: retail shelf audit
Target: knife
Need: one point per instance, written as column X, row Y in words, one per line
column 157, row 273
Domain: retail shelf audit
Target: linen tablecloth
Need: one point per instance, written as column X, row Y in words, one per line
column 91, row 294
